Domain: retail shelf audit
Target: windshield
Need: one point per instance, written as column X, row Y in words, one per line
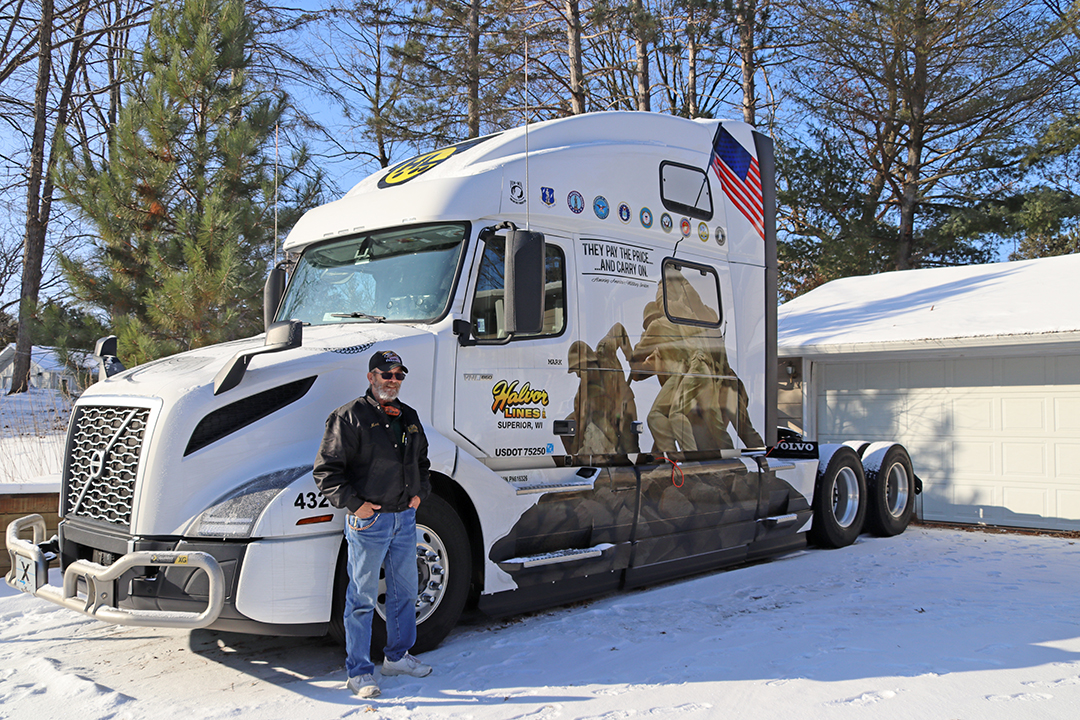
column 401, row 275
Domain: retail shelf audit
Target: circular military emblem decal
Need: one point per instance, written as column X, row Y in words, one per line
column 703, row 232
column 684, row 227
column 575, row 202
column 625, row 213
column 645, row 216
column 721, row 236
column 601, row 207
column 666, row 222
column 517, row 192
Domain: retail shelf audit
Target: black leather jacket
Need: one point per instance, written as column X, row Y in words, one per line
column 359, row 461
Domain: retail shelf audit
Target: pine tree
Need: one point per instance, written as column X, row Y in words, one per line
column 182, row 209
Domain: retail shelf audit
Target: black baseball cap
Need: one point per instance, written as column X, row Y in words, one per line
column 384, row 360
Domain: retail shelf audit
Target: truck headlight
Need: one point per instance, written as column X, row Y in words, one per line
column 234, row 514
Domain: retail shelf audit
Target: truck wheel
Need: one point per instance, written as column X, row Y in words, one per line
column 839, row 501
column 444, row 570
column 890, row 482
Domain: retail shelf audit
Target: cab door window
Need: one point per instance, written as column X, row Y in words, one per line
column 489, row 307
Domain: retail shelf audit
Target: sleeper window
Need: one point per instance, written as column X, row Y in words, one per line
column 692, row 293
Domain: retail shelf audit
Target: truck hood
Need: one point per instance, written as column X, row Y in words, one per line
column 323, row 347
column 198, row 446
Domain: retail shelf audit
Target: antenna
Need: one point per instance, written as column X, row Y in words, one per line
column 277, row 130
column 525, row 93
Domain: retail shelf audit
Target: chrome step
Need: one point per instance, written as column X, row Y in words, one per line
column 534, row 488
column 778, row 520
column 553, row 558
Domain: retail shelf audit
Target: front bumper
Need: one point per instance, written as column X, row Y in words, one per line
column 94, row 589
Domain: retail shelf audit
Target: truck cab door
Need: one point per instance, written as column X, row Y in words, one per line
column 509, row 399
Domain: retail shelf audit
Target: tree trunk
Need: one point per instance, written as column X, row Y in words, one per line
column 641, row 46
column 916, row 100
column 473, row 62
column 692, row 110
column 573, row 38
column 40, row 191
column 34, row 240
column 883, row 151
column 745, row 14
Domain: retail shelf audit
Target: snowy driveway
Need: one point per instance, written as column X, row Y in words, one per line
column 932, row 624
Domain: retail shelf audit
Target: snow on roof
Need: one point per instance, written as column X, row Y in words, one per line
column 48, row 358
column 996, row 305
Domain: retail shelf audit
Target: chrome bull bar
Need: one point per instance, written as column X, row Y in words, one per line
column 29, row 573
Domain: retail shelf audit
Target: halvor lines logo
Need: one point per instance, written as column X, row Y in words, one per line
column 507, row 399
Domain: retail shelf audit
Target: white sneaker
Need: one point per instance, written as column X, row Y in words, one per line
column 407, row 665
column 363, row 686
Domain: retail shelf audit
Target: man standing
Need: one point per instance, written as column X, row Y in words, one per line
column 373, row 462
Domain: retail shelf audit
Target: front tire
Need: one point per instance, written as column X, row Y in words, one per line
column 839, row 500
column 890, row 482
column 441, row 535
column 444, row 571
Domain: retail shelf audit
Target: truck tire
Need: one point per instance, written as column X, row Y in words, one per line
column 442, row 536
column 859, row 446
column 890, row 485
column 444, row 571
column 839, row 500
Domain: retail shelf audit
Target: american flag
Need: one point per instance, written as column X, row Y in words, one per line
column 739, row 178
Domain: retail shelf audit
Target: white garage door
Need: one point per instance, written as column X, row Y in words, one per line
column 995, row 440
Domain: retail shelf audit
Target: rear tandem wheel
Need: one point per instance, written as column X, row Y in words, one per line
column 839, row 500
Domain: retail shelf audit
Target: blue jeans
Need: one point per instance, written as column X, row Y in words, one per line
column 383, row 539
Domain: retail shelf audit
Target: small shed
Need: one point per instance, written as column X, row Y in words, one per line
column 48, row 370
column 975, row 369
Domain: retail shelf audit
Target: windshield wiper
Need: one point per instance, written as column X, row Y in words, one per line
column 376, row 318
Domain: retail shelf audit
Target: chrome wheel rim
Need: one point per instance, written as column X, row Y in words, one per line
column 845, row 500
column 896, row 489
column 431, row 569
column 433, row 572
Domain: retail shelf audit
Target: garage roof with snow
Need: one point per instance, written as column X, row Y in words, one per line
column 1019, row 305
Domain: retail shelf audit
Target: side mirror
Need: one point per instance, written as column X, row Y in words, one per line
column 108, row 363
column 524, row 281
column 273, row 291
column 279, row 336
column 463, row 330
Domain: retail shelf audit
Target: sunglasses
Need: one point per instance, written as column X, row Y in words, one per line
column 399, row 376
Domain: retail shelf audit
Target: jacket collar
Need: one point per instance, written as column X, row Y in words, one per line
column 395, row 404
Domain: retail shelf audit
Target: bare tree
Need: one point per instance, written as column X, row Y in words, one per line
column 358, row 70
column 64, row 85
column 931, row 94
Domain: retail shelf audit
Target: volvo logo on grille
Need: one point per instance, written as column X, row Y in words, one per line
column 97, row 464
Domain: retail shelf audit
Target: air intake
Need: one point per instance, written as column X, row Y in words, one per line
column 234, row 416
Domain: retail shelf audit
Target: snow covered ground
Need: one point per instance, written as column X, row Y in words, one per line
column 932, row 624
column 32, row 430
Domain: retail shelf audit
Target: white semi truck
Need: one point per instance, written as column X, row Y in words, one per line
column 587, row 307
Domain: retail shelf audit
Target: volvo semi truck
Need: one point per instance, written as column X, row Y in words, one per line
column 587, row 308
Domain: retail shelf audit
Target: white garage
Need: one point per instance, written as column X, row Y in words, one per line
column 975, row 369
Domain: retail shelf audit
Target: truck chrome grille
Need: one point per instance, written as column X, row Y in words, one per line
column 102, row 463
